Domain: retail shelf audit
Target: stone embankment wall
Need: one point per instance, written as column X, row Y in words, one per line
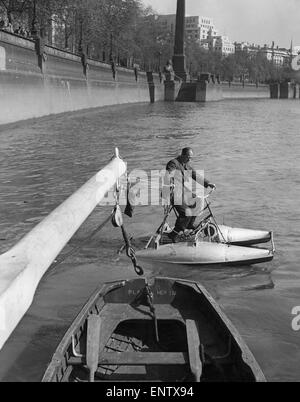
column 208, row 88
column 37, row 81
column 208, row 91
column 285, row 90
column 237, row 90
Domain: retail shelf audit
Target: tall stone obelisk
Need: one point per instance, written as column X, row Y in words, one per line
column 179, row 56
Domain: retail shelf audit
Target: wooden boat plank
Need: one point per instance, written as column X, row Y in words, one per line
column 121, row 311
column 140, row 359
column 137, row 359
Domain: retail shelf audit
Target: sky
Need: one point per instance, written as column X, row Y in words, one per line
column 254, row 21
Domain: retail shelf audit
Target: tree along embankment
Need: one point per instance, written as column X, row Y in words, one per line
column 38, row 80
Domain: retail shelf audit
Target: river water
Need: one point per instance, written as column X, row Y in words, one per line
column 249, row 148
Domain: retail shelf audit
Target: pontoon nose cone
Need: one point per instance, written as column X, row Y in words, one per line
column 247, row 255
column 240, row 236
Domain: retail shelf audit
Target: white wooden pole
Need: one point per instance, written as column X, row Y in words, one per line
column 22, row 267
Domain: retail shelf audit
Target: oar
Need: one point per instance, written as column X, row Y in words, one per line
column 93, row 344
column 194, row 343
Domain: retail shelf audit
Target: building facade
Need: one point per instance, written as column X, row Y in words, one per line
column 218, row 43
column 200, row 29
column 203, row 31
column 192, row 28
column 207, row 27
column 167, row 22
column 197, row 28
column 223, row 45
column 278, row 56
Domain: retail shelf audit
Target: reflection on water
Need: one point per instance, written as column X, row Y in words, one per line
column 248, row 148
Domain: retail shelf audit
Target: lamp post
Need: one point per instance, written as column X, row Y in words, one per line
column 159, row 66
column 34, row 21
column 111, row 47
column 80, row 44
column 159, row 61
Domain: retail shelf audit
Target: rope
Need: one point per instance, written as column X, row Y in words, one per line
column 149, row 296
column 75, row 249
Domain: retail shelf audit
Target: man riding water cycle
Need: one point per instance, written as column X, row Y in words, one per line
column 179, row 170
